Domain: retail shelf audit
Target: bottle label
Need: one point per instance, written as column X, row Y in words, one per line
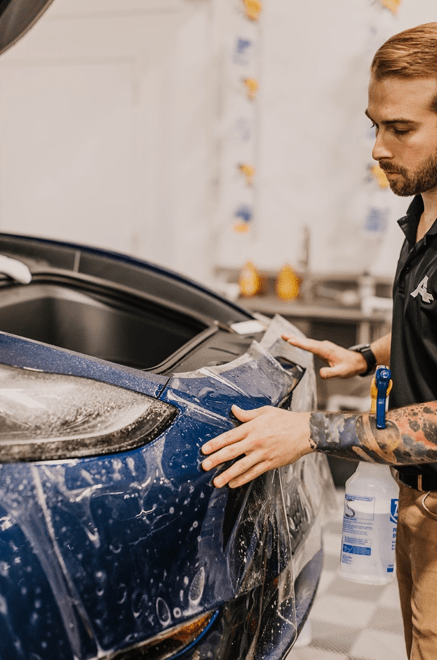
column 356, row 549
column 369, row 536
column 394, row 511
column 359, row 513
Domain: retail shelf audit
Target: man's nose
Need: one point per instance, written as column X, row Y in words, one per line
column 380, row 149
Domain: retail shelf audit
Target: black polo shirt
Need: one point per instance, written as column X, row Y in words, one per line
column 413, row 359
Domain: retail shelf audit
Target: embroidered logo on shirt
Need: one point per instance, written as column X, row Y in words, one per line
column 422, row 290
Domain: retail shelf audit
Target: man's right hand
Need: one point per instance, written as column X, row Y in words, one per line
column 341, row 362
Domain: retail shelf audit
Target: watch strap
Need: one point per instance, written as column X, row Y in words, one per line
column 368, row 355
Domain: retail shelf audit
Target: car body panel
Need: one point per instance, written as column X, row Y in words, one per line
column 26, row 354
column 105, row 555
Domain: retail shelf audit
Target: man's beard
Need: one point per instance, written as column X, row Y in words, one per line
column 424, row 179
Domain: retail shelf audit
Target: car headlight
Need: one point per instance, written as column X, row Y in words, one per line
column 52, row 416
column 170, row 642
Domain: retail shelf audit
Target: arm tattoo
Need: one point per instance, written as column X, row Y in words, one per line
column 410, row 435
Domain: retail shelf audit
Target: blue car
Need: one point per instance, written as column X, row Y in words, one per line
column 114, row 543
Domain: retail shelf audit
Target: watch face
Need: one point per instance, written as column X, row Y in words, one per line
column 360, row 348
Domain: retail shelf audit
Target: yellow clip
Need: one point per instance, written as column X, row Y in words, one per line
column 253, row 9
column 248, row 171
column 252, row 87
column 393, row 5
column 379, row 175
column 242, row 227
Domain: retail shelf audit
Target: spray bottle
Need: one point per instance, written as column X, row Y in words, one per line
column 371, row 509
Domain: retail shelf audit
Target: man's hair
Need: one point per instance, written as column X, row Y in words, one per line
column 408, row 54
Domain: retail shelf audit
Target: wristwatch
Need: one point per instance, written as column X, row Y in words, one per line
column 367, row 354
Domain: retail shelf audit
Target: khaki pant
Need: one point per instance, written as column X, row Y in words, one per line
column 416, row 561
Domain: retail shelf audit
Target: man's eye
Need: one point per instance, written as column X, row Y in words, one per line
column 401, row 131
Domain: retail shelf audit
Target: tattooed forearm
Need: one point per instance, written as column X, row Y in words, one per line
column 410, row 435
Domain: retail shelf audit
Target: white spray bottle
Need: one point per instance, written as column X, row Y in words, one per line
column 371, row 509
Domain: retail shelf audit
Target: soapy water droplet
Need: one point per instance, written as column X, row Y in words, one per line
column 197, row 586
column 115, row 546
column 139, row 604
column 163, row 611
column 121, row 594
column 93, row 536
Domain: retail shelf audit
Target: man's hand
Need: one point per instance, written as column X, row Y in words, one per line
column 342, row 363
column 268, row 438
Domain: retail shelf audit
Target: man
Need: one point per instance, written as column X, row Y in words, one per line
column 403, row 108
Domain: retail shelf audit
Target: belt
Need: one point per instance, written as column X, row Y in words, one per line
column 423, row 482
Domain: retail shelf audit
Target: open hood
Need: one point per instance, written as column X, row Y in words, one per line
column 17, row 17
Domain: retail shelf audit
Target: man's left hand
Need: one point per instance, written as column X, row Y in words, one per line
column 268, row 438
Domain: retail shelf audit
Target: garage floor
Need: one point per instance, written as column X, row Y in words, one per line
column 350, row 621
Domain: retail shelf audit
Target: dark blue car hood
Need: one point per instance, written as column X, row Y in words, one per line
column 102, row 553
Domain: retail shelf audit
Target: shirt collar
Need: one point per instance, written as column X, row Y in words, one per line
column 409, row 222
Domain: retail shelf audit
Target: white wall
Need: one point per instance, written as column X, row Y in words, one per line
column 105, row 128
column 314, row 149
column 118, row 129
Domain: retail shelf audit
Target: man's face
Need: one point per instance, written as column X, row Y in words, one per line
column 406, row 132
